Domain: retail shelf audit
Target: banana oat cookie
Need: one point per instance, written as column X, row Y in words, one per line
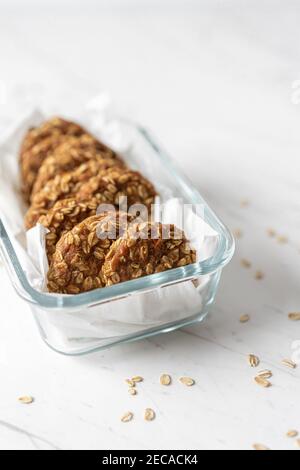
column 116, row 183
column 72, row 152
column 53, row 126
column 89, row 181
column 79, row 255
column 62, row 218
column 147, row 248
column 38, row 143
column 63, row 186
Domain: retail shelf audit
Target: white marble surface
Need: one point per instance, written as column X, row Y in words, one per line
column 214, row 81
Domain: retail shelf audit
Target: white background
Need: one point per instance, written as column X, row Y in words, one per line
column 213, row 79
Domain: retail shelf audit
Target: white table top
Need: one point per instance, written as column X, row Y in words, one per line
column 214, row 82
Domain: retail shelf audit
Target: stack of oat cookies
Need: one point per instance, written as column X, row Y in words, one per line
column 66, row 175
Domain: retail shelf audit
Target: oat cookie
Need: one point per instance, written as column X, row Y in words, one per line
column 31, row 161
column 71, row 153
column 90, row 181
column 63, row 186
column 79, row 255
column 53, row 126
column 116, row 183
column 62, row 218
column 147, row 248
column 38, row 143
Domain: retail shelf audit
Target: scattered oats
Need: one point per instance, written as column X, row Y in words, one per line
column 271, row 232
column 259, row 275
column 262, row 382
column 260, row 447
column 136, row 379
column 132, row 391
column 289, row 363
column 253, row 360
column 165, row 379
column 298, row 443
column 265, row 374
column 282, row 240
column 149, row 414
column 244, row 318
column 294, row 316
column 245, row 263
column 238, row 233
column 26, row 400
column 130, row 382
column 245, row 203
column 292, row 433
column 127, row 417
column 188, row 381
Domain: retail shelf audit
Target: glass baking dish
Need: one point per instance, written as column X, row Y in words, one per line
column 79, row 324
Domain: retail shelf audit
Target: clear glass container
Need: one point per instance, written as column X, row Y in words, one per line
column 79, row 324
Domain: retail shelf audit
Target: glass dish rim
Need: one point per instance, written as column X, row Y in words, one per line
column 224, row 253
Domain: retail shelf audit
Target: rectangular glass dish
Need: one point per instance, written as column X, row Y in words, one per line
column 79, row 324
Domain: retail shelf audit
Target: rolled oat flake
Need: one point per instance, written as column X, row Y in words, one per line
column 188, row 381
column 253, row 360
column 137, row 378
column 265, row 374
column 26, row 400
column 292, row 433
column 149, row 414
column 127, row 417
column 244, row 318
column 294, row 316
column 262, row 382
column 165, row 379
column 260, row 447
